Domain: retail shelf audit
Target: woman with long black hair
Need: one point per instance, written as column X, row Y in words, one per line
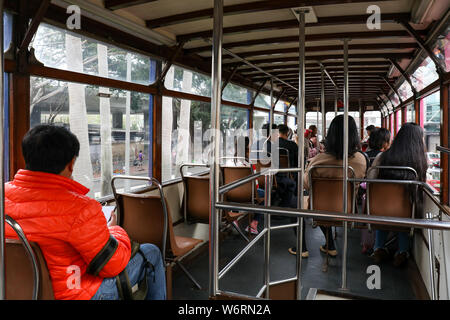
column 407, row 150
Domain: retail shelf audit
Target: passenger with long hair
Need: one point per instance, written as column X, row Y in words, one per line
column 333, row 155
column 407, row 150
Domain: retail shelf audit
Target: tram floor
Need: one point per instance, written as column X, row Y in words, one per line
column 246, row 277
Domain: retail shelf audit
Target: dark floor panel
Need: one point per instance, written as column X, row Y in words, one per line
column 246, row 277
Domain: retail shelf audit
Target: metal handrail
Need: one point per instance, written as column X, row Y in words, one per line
column 336, row 216
column 18, row 229
column 163, row 203
column 443, row 149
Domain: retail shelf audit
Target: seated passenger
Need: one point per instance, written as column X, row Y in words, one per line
column 262, row 148
column 242, row 145
column 407, row 150
column 291, row 146
column 333, row 155
column 379, row 141
column 70, row 228
column 365, row 142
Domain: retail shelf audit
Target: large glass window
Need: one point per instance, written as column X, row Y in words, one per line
column 259, row 119
column 237, row 94
column 61, row 49
column 262, row 101
column 398, row 119
column 112, row 126
column 410, row 113
column 186, row 136
column 180, row 79
column 441, row 48
column 278, row 119
column 405, row 91
column 431, row 126
column 425, row 74
column 395, row 100
column 292, row 122
column 281, row 106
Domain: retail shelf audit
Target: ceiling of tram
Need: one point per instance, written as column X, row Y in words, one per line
column 265, row 33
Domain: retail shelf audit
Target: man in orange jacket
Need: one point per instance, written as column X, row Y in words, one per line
column 70, row 227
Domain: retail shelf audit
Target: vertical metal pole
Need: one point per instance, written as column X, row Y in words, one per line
column 267, row 225
column 272, row 107
column 2, row 164
column 335, row 101
column 301, row 145
column 431, row 258
column 345, row 163
column 322, row 100
column 215, row 150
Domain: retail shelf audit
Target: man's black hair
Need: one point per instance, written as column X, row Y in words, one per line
column 370, row 128
column 49, row 148
column 283, row 129
column 266, row 130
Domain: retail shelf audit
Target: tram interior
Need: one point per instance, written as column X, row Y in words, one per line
column 142, row 69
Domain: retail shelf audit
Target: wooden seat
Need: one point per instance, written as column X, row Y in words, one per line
column 326, row 193
column 242, row 194
column 142, row 216
column 196, row 199
column 19, row 272
column 391, row 200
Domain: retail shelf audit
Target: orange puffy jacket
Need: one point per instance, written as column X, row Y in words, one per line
column 69, row 227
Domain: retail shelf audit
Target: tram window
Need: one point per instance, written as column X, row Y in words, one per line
column 441, row 48
column 398, row 120
column 61, row 49
column 410, row 113
column 395, row 100
column 259, row 119
column 314, row 118
column 431, row 126
column 281, row 106
column 86, row 110
column 425, row 74
column 405, row 90
column 293, row 110
column 262, row 101
column 180, row 79
column 292, row 122
column 372, row 118
column 185, row 134
column 355, row 115
column 278, row 119
column 391, row 124
column 237, row 94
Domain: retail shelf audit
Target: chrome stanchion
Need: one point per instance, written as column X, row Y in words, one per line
column 345, row 163
column 301, row 144
column 216, row 96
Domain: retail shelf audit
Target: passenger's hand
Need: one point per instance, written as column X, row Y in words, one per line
column 113, row 220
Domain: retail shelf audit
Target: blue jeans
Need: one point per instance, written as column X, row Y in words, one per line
column 156, row 279
column 403, row 240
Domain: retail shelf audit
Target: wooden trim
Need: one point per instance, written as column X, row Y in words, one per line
column 19, row 119
column 311, row 38
column 242, row 8
column 291, row 24
column 402, row 55
column 366, row 46
column 120, row 4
